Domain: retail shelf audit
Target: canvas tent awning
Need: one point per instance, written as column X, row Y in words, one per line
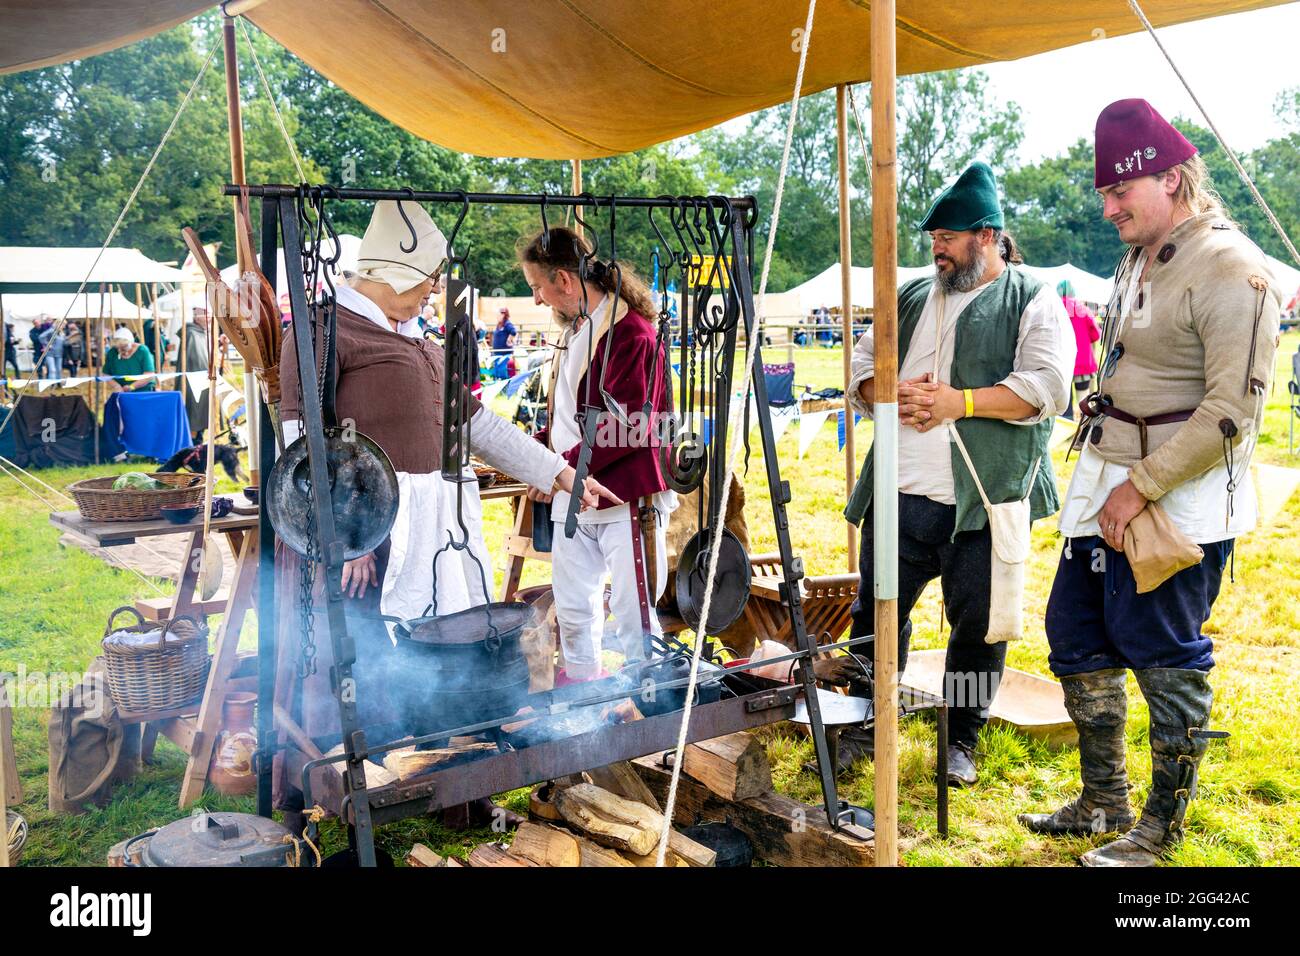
column 823, row 289
column 27, row 307
column 55, row 269
column 564, row 79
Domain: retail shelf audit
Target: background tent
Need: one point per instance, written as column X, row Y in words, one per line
column 482, row 77
column 21, row 310
column 55, row 269
column 1088, row 288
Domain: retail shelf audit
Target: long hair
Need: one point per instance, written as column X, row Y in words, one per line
column 561, row 252
column 1195, row 191
column 1007, row 248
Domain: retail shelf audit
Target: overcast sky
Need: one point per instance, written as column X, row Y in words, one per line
column 1236, row 65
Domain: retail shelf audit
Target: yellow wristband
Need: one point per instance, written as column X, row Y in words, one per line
column 970, row 401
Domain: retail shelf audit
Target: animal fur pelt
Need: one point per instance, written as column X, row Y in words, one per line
column 195, row 458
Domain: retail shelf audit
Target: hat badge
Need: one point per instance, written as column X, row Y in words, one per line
column 1149, row 152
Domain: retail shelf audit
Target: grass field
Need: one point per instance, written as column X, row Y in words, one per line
column 53, row 602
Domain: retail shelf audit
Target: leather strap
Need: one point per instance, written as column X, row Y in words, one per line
column 1095, row 404
column 639, row 563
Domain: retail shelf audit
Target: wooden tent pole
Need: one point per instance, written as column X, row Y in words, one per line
column 884, row 221
column 846, row 301
column 252, row 395
column 97, row 364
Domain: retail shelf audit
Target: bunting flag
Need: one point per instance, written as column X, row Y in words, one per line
column 44, row 383
column 809, row 426
column 198, row 383
column 706, row 430
column 839, row 427
column 781, row 419
column 490, row 392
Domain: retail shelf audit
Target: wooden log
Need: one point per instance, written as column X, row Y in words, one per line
column 593, row 854
column 376, row 776
column 545, row 845
column 651, row 859
column 408, row 763
column 621, row 780
column 734, row 767
column 784, row 831
column 492, row 854
column 423, row 856
column 541, row 803
column 610, row 820
column 690, row 852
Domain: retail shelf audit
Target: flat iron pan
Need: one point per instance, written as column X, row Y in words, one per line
column 730, row 586
column 363, row 490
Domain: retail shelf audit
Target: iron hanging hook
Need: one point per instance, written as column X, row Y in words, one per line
column 546, row 228
column 415, row 240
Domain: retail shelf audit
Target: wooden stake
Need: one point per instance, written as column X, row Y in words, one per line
column 846, row 300
column 884, row 213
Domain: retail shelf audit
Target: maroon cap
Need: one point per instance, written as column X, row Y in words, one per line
column 1134, row 140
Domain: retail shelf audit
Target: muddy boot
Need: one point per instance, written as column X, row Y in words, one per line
column 1179, row 701
column 1098, row 705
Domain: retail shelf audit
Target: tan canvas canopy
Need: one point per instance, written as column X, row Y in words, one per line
column 565, row 79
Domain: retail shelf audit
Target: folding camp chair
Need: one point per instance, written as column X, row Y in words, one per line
column 779, row 379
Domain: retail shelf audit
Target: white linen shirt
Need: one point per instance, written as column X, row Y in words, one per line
column 1042, row 375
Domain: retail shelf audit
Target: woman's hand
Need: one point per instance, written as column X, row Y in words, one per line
column 358, row 574
column 592, row 491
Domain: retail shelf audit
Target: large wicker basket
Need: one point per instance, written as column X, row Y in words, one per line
column 97, row 500
column 156, row 674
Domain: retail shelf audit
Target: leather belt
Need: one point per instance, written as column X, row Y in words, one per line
column 1096, row 404
column 639, row 557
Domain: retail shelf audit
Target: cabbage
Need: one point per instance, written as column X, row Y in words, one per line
column 138, row 481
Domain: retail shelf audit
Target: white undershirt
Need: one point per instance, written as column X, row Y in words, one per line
column 1041, row 375
column 1198, row 507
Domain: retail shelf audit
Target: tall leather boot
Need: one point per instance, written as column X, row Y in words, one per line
column 1179, row 701
column 1098, row 705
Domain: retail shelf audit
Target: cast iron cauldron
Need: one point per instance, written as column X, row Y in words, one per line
column 461, row 668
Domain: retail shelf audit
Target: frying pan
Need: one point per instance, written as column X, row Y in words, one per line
column 363, row 492
column 730, row 586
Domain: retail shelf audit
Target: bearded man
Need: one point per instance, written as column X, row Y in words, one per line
column 1188, row 352
column 623, row 541
column 985, row 361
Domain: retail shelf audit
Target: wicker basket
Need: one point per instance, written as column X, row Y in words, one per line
column 16, row 834
column 153, row 675
column 97, row 500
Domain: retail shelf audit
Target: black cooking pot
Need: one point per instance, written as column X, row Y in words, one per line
column 462, row 668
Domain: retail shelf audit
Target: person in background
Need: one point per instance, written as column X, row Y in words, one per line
column 129, row 358
column 51, row 346
column 1086, row 331
column 503, row 337
column 196, row 360
column 74, row 347
column 34, row 334
column 11, row 350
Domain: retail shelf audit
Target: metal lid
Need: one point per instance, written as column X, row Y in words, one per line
column 219, row 839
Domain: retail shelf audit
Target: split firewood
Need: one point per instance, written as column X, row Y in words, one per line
column 593, row 854
column 783, row 831
column 493, row 854
column 623, row 712
column 524, row 720
column 690, row 852
column 422, row 856
column 411, row 763
column 621, row 780
column 545, row 845
column 610, row 820
column 376, row 776
column 541, row 803
column 734, row 767
column 652, row 858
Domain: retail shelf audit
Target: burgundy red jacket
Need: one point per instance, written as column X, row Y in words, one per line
column 628, row 465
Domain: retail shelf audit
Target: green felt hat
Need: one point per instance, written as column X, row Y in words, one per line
column 969, row 203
